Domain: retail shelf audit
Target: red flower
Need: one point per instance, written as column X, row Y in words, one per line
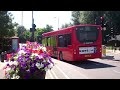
column 36, row 51
column 40, row 51
column 8, row 56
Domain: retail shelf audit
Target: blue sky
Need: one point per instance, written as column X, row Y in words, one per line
column 41, row 18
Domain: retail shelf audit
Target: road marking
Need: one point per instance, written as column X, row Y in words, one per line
column 63, row 73
column 82, row 75
column 68, row 77
column 116, row 71
column 50, row 74
column 54, row 74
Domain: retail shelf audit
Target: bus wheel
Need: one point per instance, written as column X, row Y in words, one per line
column 61, row 56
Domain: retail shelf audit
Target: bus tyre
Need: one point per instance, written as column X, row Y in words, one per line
column 61, row 56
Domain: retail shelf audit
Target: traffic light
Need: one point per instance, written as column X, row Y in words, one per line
column 112, row 32
column 34, row 26
column 31, row 30
column 102, row 21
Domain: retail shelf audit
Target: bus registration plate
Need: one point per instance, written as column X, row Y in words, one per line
column 87, row 50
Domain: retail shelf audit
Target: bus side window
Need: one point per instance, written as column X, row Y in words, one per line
column 49, row 44
column 47, row 41
column 53, row 43
column 60, row 41
column 65, row 40
column 69, row 39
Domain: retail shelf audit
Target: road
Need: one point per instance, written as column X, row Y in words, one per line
column 105, row 68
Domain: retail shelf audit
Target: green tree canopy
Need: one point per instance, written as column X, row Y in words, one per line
column 7, row 28
column 20, row 30
column 76, row 17
column 66, row 25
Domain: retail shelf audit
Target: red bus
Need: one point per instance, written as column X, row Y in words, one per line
column 79, row 42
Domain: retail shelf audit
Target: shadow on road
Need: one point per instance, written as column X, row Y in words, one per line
column 87, row 64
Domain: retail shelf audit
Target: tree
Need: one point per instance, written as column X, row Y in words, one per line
column 48, row 28
column 20, row 30
column 88, row 17
column 27, row 35
column 66, row 25
column 7, row 28
column 21, row 33
column 114, row 20
column 40, row 31
column 76, row 17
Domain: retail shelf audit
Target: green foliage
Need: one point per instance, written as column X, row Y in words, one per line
column 40, row 31
column 20, row 30
column 27, row 35
column 7, row 28
column 48, row 28
column 88, row 17
column 114, row 20
column 22, row 34
column 76, row 17
column 66, row 25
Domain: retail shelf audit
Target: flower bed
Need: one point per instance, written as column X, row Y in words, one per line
column 31, row 61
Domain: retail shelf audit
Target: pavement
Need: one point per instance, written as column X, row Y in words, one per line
column 113, row 55
column 2, row 64
column 113, row 51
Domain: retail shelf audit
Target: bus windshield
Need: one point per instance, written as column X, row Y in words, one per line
column 87, row 34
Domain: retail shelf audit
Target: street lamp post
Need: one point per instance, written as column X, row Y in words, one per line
column 32, row 30
column 22, row 19
column 32, row 19
column 58, row 21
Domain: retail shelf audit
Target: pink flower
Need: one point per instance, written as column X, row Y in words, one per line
column 8, row 56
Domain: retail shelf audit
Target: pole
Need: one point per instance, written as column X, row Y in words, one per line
column 22, row 19
column 58, row 23
column 32, row 19
column 32, row 36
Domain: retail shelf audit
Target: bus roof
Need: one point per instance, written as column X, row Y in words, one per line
column 71, row 27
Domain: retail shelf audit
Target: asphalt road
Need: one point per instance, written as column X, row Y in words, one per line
column 106, row 68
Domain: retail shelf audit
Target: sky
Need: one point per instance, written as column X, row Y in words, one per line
column 41, row 18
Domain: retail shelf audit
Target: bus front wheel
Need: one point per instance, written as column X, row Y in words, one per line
column 61, row 56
